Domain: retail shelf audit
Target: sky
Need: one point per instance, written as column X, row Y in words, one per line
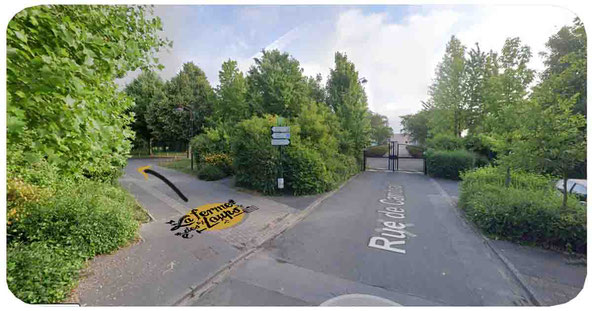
column 395, row 47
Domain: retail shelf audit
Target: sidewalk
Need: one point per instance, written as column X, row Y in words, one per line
column 162, row 268
column 551, row 277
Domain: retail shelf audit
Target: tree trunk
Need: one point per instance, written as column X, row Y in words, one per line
column 564, row 190
column 150, row 145
column 508, row 177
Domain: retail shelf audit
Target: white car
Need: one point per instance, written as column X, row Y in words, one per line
column 574, row 186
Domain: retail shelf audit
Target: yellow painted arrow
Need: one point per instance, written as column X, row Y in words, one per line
column 142, row 169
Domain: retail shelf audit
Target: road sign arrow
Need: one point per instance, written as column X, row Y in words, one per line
column 280, row 129
column 280, row 135
column 280, row 142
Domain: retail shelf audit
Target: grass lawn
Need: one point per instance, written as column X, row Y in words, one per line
column 181, row 165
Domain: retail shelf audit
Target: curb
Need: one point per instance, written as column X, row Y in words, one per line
column 198, row 290
column 514, row 272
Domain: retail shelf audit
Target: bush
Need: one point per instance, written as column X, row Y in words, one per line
column 448, row 164
column 415, row 151
column 38, row 273
column 305, row 171
column 220, row 160
column 445, row 142
column 212, row 141
column 341, row 167
column 377, row 151
column 88, row 217
column 54, row 224
column 210, row 172
column 255, row 160
column 530, row 210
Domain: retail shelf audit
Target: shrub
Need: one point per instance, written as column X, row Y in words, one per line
column 255, row 160
column 88, row 217
column 220, row 160
column 305, row 171
column 415, row 151
column 212, row 141
column 38, row 273
column 448, row 164
column 377, row 151
column 445, row 142
column 341, row 167
column 210, row 172
column 529, row 210
column 52, row 229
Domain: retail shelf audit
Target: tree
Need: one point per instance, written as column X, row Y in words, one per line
column 316, row 91
column 276, row 85
column 416, row 125
column 380, row 129
column 190, row 90
column 473, row 88
column 447, row 91
column 347, row 98
column 506, row 104
column 557, row 137
column 144, row 90
column 62, row 61
column 231, row 103
column 566, row 62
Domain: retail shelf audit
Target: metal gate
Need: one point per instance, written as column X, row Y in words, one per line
column 398, row 159
column 406, row 161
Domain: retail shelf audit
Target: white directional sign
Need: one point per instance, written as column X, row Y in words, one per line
column 280, row 129
column 280, row 142
column 280, row 135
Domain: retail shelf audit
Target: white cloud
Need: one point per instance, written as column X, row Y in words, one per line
column 399, row 58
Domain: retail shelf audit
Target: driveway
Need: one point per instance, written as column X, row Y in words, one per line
column 351, row 243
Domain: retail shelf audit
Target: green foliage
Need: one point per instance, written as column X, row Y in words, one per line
column 319, row 128
column 39, row 273
column 380, row 129
column 445, row 142
column 415, row 151
column 377, row 151
column 530, row 210
column 566, row 62
column 54, row 224
column 220, row 160
column 61, row 65
column 347, row 98
column 211, row 141
column 448, row 164
column 255, row 159
column 276, row 85
column 305, row 171
column 416, row 125
column 231, row 102
column 145, row 90
column 447, row 91
column 210, row 172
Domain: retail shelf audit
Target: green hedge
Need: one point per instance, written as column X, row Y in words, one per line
column 530, row 210
column 448, row 164
column 255, row 160
column 54, row 225
column 445, row 142
column 306, row 170
column 377, row 151
column 210, row 172
column 415, row 151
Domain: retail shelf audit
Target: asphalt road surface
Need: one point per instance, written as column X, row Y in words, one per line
column 392, row 235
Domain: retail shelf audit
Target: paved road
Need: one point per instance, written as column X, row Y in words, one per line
column 435, row 260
